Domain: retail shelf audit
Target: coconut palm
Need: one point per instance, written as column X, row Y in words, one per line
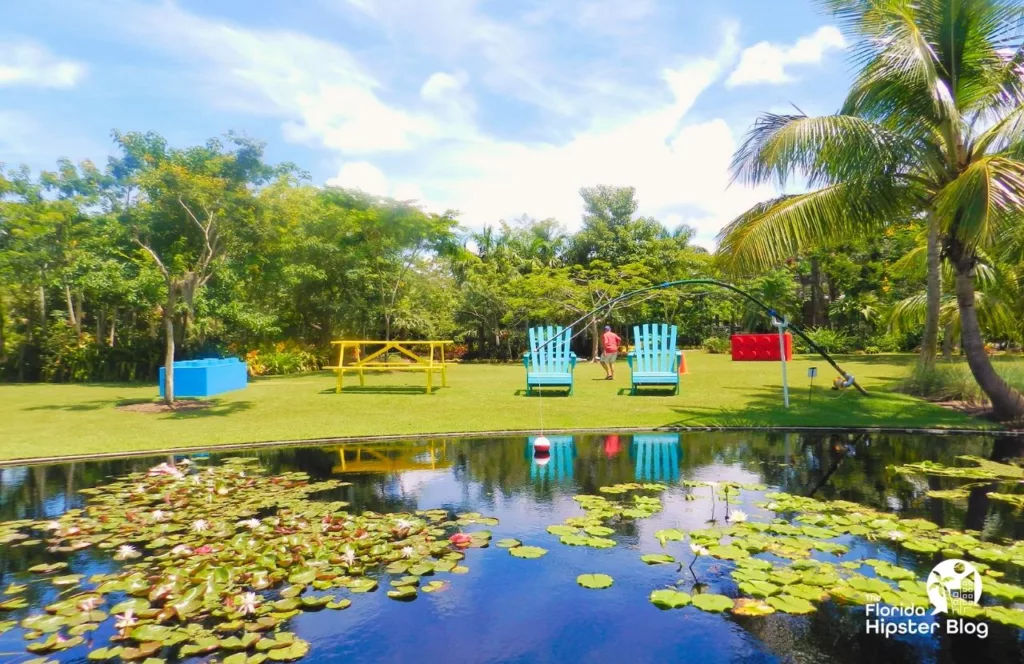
column 933, row 129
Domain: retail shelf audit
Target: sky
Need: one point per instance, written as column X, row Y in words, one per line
column 494, row 108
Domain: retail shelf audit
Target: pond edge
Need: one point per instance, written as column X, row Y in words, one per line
column 498, row 433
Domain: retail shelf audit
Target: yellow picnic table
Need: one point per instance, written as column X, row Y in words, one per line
column 428, row 360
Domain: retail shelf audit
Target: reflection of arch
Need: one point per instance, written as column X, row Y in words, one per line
column 393, row 457
column 559, row 466
column 657, row 456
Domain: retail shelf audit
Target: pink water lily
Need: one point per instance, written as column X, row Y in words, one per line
column 125, row 620
column 164, row 469
column 461, row 540
column 89, row 603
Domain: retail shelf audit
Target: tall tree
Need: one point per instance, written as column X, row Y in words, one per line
column 933, row 128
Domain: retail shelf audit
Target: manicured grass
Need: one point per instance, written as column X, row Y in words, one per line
column 44, row 419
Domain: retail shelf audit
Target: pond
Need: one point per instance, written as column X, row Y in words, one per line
column 281, row 567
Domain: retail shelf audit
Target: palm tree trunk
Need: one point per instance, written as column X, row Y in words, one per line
column 930, row 340
column 1007, row 403
column 947, row 342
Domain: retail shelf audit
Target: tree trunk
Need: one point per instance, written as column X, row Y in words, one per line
column 71, row 310
column 930, row 339
column 815, row 293
column 947, row 341
column 113, row 327
column 595, row 341
column 42, row 309
column 169, row 355
column 1007, row 403
column 101, row 325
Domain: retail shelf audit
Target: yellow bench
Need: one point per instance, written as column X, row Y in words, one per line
column 429, row 361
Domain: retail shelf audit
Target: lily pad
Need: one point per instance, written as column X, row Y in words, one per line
column 528, row 551
column 791, row 604
column 669, row 599
column 752, row 607
column 508, row 543
column 595, row 581
column 711, row 602
column 562, row 530
column 657, row 558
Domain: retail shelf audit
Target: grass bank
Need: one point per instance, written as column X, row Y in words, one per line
column 43, row 419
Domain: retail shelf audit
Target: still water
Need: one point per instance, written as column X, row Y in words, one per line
column 512, row 610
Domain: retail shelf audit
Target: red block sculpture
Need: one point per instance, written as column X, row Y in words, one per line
column 760, row 347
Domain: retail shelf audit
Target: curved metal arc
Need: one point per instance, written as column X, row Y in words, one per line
column 721, row 284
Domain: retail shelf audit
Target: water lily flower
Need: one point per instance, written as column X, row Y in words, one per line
column 159, row 515
column 249, row 603
column 408, row 552
column 461, row 540
column 88, row 604
column 140, row 488
column 196, row 481
column 251, row 524
column 200, row 525
column 203, row 550
column 185, row 462
column 698, row 550
column 895, row 535
column 126, row 551
column 349, row 556
column 53, row 525
column 125, row 620
column 404, row 524
column 166, row 470
column 222, row 491
column 738, row 516
column 181, row 550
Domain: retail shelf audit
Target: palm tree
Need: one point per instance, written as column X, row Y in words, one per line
column 933, row 129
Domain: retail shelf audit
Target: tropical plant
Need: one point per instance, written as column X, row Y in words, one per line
column 933, row 128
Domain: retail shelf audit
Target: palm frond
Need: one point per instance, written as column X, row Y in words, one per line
column 779, row 228
column 987, row 196
column 823, row 149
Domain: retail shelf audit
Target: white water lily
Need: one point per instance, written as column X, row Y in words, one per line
column 181, row 550
column 200, row 525
column 159, row 515
column 251, row 524
column 349, row 556
column 125, row 620
column 222, row 491
column 126, row 551
column 249, row 603
column 404, row 524
column 895, row 535
column 698, row 550
column 408, row 552
column 738, row 516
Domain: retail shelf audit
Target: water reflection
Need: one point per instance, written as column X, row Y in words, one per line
column 552, row 463
column 513, row 610
column 657, row 457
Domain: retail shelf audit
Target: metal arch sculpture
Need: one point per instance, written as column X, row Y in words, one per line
column 721, row 284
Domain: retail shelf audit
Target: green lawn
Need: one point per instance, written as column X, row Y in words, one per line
column 44, row 419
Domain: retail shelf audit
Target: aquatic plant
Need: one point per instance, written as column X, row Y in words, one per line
column 217, row 561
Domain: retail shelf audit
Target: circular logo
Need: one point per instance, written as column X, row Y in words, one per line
column 952, row 584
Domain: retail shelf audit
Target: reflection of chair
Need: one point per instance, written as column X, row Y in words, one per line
column 657, row 456
column 558, row 466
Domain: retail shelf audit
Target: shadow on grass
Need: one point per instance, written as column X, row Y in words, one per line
column 80, row 406
column 216, row 409
column 537, row 392
column 383, row 389
column 827, row 409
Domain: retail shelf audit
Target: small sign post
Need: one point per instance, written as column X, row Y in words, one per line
column 811, row 373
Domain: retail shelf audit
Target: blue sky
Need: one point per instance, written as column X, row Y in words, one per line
column 496, row 108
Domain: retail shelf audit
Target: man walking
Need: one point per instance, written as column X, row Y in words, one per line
column 610, row 343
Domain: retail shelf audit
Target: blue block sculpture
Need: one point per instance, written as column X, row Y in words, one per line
column 205, row 378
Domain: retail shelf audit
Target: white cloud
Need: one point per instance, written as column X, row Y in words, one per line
column 766, row 63
column 361, row 175
column 28, row 63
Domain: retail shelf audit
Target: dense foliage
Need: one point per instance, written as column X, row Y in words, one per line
column 250, row 259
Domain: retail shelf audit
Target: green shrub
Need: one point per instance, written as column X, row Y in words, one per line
column 872, row 350
column 282, row 358
column 831, row 341
column 890, row 343
column 955, row 382
column 717, row 345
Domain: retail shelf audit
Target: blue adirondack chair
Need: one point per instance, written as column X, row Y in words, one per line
column 657, row 457
column 655, row 361
column 549, row 365
column 559, row 466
